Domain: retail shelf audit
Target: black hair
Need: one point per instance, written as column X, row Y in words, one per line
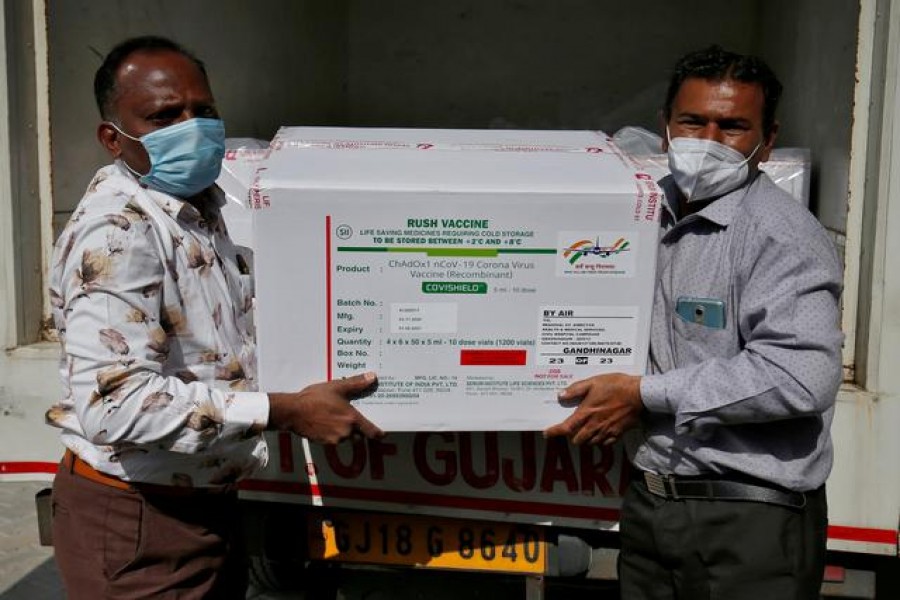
column 716, row 64
column 105, row 78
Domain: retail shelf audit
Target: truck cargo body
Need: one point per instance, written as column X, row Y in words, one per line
column 464, row 64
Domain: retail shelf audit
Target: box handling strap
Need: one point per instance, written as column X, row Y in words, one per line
column 675, row 488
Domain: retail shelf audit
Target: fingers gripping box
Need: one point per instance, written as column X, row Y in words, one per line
column 477, row 272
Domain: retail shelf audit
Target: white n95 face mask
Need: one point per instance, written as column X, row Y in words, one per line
column 704, row 169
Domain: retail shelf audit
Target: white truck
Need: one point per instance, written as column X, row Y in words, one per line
column 491, row 501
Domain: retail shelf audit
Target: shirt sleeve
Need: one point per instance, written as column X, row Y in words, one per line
column 790, row 362
column 116, row 339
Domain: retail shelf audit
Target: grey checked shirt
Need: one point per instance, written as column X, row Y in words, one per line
column 757, row 395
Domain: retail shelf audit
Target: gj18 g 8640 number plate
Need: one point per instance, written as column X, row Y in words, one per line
column 427, row 542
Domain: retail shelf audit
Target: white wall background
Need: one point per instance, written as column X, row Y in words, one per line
column 567, row 64
column 811, row 44
column 270, row 62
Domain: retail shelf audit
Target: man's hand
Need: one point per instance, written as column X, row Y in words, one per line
column 608, row 406
column 322, row 412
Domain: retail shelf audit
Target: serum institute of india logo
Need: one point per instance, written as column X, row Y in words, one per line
column 602, row 253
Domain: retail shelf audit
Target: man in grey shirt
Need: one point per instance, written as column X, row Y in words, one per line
column 729, row 431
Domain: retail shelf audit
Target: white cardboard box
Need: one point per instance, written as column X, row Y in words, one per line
column 477, row 272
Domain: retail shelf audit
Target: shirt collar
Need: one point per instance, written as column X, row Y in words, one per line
column 177, row 208
column 720, row 211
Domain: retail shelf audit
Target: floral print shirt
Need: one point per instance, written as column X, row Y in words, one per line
column 153, row 304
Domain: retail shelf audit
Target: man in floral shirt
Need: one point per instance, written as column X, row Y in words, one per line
column 153, row 304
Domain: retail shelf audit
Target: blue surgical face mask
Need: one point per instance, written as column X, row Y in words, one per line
column 185, row 158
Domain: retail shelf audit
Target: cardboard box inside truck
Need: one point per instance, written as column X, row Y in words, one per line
column 477, row 272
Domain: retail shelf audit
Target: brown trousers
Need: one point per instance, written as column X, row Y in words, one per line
column 120, row 544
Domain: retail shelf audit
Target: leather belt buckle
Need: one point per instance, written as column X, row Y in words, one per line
column 670, row 487
column 656, row 484
column 75, row 465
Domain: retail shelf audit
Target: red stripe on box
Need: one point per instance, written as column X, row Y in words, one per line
column 328, row 340
column 492, row 358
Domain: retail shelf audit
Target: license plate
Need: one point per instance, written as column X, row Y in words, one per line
column 417, row 541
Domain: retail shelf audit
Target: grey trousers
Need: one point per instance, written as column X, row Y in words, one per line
column 720, row 550
column 117, row 544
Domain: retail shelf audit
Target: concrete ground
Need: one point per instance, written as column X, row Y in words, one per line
column 28, row 572
column 27, row 569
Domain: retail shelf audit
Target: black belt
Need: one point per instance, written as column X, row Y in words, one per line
column 675, row 488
